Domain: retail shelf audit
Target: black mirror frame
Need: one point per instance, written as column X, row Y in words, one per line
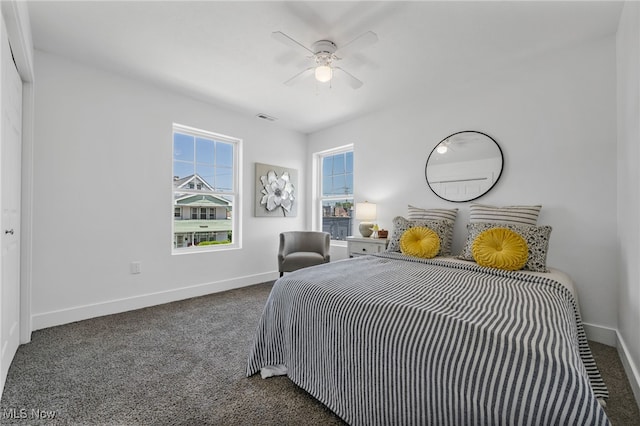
column 488, row 189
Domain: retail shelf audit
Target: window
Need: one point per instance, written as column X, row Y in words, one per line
column 205, row 190
column 335, row 191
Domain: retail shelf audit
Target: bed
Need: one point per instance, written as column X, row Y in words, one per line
column 390, row 339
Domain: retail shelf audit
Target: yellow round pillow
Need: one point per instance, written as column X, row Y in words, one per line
column 500, row 248
column 420, row 241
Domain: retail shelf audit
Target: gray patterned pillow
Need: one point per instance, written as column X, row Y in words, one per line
column 537, row 238
column 443, row 227
column 417, row 213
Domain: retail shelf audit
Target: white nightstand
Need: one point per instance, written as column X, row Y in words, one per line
column 358, row 246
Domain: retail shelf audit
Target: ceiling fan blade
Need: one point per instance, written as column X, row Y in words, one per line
column 353, row 82
column 360, row 42
column 293, row 80
column 285, row 39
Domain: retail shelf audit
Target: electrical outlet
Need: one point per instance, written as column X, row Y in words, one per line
column 135, row 267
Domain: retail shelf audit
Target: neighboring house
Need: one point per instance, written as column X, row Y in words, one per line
column 198, row 215
column 336, row 221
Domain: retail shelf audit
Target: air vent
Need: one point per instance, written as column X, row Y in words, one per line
column 266, row 117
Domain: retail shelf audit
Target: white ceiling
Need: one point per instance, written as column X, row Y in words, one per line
column 223, row 52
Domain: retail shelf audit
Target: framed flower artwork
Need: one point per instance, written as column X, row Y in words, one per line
column 276, row 191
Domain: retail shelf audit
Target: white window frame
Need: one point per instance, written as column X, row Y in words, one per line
column 317, row 213
column 235, row 194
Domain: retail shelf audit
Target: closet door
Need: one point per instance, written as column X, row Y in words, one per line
column 10, row 189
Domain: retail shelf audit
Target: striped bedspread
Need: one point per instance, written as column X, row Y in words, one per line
column 392, row 340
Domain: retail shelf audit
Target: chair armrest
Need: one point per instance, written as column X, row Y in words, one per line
column 327, row 247
column 287, row 245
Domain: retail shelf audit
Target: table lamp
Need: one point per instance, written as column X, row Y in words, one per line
column 366, row 213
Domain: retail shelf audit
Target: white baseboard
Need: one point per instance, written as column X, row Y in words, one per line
column 79, row 313
column 633, row 374
column 601, row 334
column 611, row 337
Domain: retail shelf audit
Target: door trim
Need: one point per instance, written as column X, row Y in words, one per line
column 16, row 17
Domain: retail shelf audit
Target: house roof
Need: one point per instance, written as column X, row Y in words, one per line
column 196, row 197
column 200, row 200
column 182, row 183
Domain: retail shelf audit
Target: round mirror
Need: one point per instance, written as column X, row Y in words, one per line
column 464, row 166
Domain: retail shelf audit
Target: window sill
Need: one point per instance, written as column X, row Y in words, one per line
column 205, row 249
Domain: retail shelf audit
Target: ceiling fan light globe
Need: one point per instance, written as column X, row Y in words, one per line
column 323, row 73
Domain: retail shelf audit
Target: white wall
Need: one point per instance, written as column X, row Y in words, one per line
column 628, row 59
column 102, row 195
column 555, row 120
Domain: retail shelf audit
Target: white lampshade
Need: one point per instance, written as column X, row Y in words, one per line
column 366, row 211
column 324, row 73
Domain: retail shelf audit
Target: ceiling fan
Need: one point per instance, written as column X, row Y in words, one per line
column 324, row 54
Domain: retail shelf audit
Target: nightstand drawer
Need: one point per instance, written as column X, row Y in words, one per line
column 362, row 246
column 365, row 248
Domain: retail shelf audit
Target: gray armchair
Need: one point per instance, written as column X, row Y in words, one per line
column 299, row 249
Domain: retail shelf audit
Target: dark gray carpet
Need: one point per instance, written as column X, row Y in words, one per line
column 182, row 364
column 622, row 408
